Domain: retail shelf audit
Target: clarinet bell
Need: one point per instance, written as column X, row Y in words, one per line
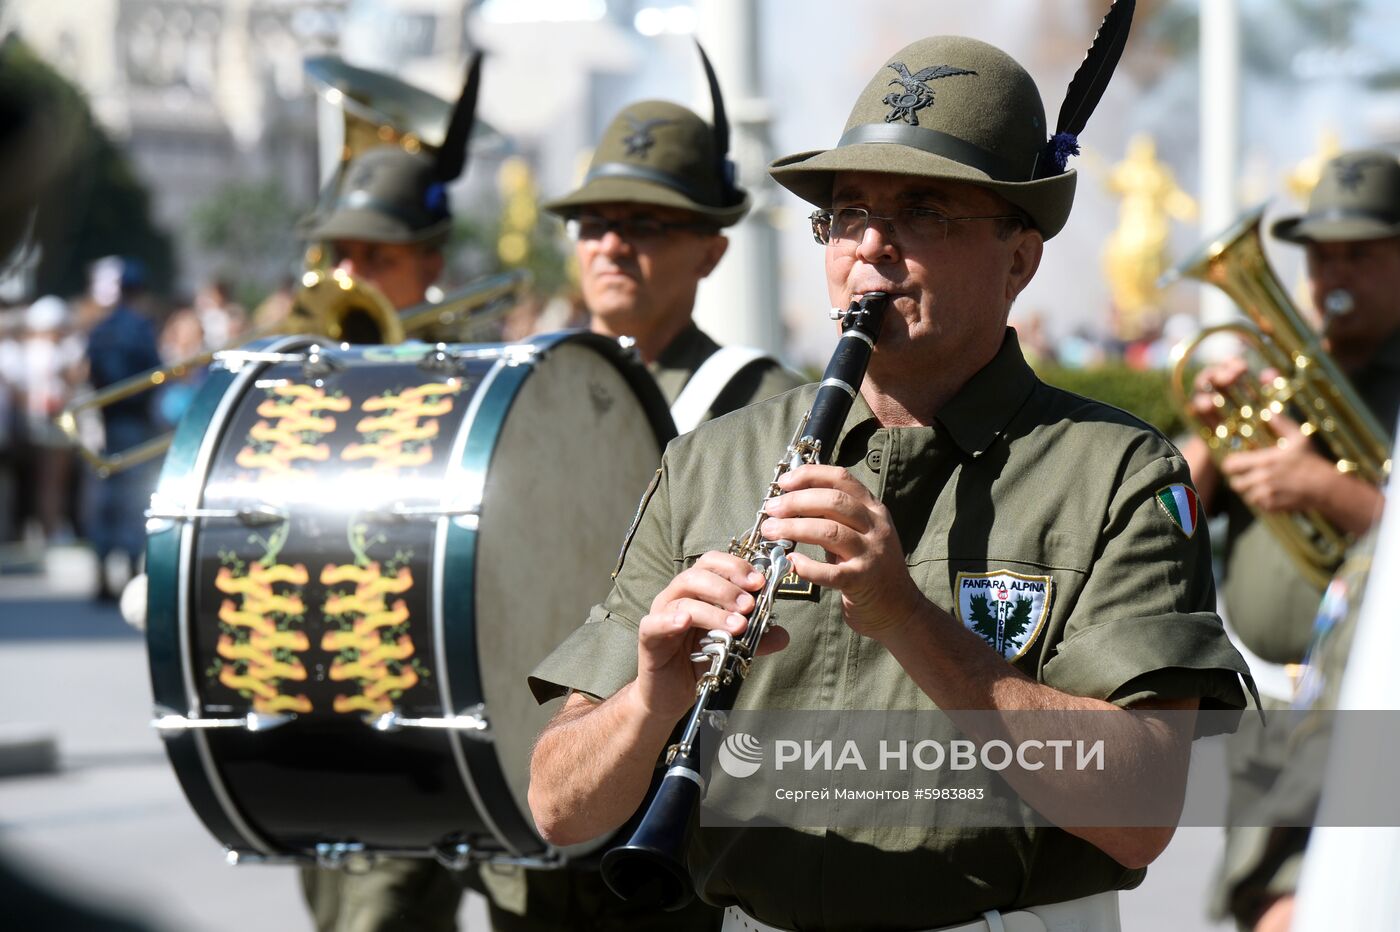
column 650, row 869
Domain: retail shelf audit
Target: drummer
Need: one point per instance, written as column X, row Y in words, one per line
column 388, row 227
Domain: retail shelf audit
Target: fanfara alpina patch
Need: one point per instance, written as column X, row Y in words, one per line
column 1179, row 502
column 1006, row 609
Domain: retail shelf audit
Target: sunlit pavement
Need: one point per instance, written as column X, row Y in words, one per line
column 111, row 826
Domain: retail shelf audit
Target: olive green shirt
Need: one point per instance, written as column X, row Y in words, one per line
column 1268, row 602
column 1015, row 476
column 683, row 356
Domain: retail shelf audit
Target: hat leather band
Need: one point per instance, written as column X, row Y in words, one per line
column 1338, row 213
column 625, row 170
column 931, row 141
column 363, row 200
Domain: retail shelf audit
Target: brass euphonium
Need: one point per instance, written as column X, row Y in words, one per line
column 1308, row 386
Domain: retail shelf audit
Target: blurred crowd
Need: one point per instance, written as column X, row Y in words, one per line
column 1086, row 347
column 54, row 351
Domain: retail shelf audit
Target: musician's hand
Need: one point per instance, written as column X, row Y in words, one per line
column 1212, row 380
column 826, row 506
column 716, row 593
column 1284, row 478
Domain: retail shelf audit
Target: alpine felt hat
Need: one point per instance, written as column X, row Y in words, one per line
column 657, row 152
column 388, row 195
column 952, row 108
column 1357, row 198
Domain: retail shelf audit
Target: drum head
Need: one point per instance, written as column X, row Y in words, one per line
column 575, row 453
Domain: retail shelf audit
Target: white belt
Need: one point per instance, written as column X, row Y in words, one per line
column 1097, row 913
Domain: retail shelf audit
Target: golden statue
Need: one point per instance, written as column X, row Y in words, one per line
column 1306, row 174
column 1136, row 253
column 519, row 212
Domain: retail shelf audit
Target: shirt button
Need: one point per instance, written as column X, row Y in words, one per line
column 875, row 459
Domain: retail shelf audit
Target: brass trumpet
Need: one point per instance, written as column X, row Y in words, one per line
column 1310, row 387
column 331, row 304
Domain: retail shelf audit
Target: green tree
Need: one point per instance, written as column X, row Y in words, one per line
column 252, row 226
column 94, row 205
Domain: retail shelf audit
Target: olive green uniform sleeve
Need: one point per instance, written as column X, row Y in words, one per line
column 1144, row 625
column 600, row 657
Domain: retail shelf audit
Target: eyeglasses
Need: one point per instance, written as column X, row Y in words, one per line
column 847, row 225
column 639, row 229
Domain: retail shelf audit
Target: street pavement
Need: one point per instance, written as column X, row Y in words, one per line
column 110, row 827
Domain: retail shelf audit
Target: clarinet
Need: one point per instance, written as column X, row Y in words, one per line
column 650, row 868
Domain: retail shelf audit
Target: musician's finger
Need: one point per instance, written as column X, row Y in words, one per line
column 817, row 572
column 1238, row 465
column 833, row 504
column 663, row 632
column 708, row 617
column 705, row 585
column 832, row 536
column 735, row 569
column 1288, row 430
column 1220, row 375
column 822, row 477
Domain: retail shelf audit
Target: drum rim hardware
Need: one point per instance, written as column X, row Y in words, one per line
column 471, row 722
column 169, row 723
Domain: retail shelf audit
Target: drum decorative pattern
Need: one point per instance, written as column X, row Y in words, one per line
column 260, row 639
column 300, row 422
column 287, row 632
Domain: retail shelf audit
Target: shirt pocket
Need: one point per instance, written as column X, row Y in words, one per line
column 1017, row 606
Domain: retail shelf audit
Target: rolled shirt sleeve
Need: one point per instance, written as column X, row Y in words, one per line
column 1144, row 625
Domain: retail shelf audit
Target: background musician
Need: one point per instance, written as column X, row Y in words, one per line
column 646, row 227
column 1351, row 235
column 954, row 459
column 388, row 228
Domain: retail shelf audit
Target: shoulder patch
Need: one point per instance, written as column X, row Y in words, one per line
column 1006, row 609
column 1180, row 504
column 636, row 520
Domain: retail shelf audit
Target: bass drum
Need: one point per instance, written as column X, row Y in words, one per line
column 356, row 556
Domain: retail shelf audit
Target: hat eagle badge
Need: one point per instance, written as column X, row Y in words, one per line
column 1350, row 173
column 917, row 94
column 640, row 140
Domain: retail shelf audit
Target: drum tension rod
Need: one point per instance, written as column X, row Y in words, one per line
column 403, row 512
column 171, row 723
column 257, row 516
column 318, row 364
column 442, row 360
column 472, row 723
column 460, row 856
column 236, row 359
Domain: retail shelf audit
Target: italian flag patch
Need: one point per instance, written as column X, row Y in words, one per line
column 1179, row 502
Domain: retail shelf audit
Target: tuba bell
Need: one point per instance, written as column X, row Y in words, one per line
column 1309, row 386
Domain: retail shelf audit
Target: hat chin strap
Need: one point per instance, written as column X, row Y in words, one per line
column 935, row 142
